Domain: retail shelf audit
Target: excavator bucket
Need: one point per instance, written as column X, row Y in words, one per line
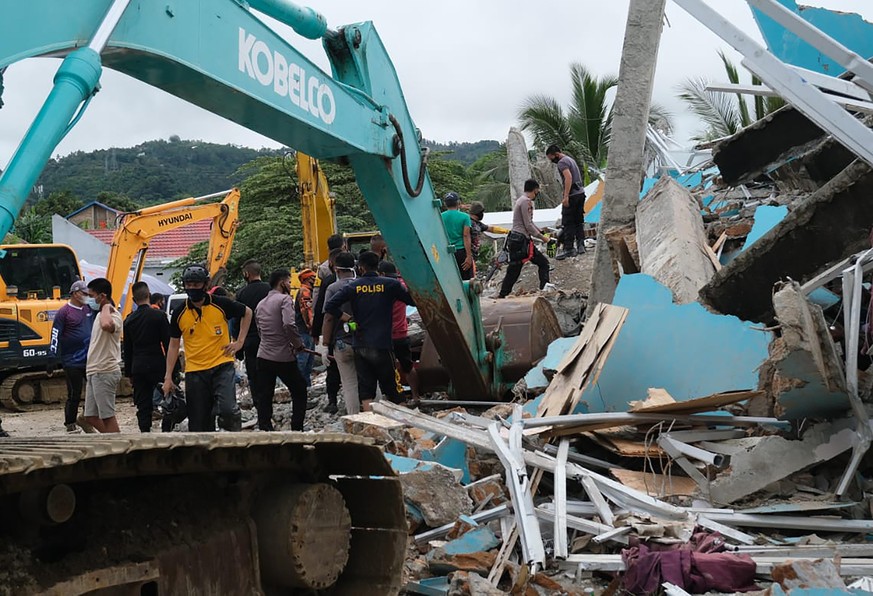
column 526, row 325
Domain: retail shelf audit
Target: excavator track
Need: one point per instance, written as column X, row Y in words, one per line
column 33, row 390
column 235, row 513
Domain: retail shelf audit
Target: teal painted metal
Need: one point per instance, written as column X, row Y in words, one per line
column 218, row 55
column 850, row 29
column 75, row 81
column 302, row 19
column 682, row 348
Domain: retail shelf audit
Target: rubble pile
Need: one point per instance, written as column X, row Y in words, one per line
column 705, row 432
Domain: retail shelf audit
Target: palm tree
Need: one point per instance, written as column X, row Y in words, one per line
column 584, row 129
column 725, row 114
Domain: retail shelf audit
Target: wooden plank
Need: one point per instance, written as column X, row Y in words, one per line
column 595, row 342
column 718, row 243
column 712, row 257
column 698, row 404
column 656, row 485
column 588, row 330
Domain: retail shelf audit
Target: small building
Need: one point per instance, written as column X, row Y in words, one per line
column 93, row 245
column 95, row 216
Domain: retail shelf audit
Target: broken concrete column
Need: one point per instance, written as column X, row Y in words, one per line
column 759, row 461
column 546, row 173
column 519, row 162
column 804, row 374
column 764, row 145
column 827, row 227
column 437, row 493
column 636, row 77
column 672, row 240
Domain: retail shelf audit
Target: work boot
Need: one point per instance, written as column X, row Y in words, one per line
column 231, row 424
column 566, row 254
column 331, row 408
column 85, row 425
column 580, row 247
column 3, row 433
column 72, row 429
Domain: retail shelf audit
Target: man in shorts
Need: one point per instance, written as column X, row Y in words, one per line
column 103, row 369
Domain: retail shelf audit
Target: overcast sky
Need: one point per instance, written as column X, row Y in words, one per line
column 465, row 66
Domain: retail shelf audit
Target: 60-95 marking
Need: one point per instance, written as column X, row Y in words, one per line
column 33, row 352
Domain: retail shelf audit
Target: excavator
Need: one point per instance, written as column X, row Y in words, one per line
column 234, row 513
column 130, row 243
column 35, row 282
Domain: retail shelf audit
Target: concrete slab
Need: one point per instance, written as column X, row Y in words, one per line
column 671, row 240
column 685, row 349
column 829, row 226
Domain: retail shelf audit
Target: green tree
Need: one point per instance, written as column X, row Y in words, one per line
column 490, row 174
column 33, row 227
column 724, row 114
column 584, row 129
column 117, row 201
column 448, row 175
column 62, row 202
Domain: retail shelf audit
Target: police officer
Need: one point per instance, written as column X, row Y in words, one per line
column 209, row 352
column 372, row 300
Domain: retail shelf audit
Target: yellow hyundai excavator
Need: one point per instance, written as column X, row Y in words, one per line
column 136, row 229
column 35, row 282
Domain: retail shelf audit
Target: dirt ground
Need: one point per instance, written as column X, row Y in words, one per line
column 50, row 421
column 570, row 275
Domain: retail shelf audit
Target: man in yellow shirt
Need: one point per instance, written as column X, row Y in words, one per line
column 209, row 352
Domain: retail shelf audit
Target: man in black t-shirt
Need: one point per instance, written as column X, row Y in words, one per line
column 251, row 295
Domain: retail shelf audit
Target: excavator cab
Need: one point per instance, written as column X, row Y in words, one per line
column 35, row 282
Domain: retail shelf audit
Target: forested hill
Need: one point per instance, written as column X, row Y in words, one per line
column 153, row 172
column 466, row 153
column 160, row 171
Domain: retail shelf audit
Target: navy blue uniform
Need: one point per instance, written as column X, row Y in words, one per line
column 372, row 300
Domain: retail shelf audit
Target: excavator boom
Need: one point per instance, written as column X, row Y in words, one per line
column 317, row 208
column 135, row 231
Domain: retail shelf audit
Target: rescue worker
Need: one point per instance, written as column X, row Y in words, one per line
column 251, row 295
column 332, row 377
column 71, row 334
column 400, row 332
column 478, row 227
column 276, row 353
column 457, row 224
column 338, row 339
column 146, row 340
column 103, row 368
column 372, row 303
column 209, row 352
column 303, row 312
column 572, row 202
column 519, row 243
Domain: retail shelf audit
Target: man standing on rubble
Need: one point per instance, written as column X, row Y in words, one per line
column 146, row 340
column 303, row 311
column 276, row 353
column 400, row 333
column 338, row 338
column 332, row 377
column 519, row 243
column 372, row 300
column 209, row 352
column 251, row 295
column 572, row 203
column 457, row 224
column 71, row 334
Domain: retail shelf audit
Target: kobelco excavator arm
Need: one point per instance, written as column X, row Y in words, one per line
column 218, row 55
column 136, row 229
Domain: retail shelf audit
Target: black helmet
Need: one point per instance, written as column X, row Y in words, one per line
column 195, row 274
column 451, row 199
column 477, row 208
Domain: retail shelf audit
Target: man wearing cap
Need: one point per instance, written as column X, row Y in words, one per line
column 457, row 224
column 209, row 352
column 71, row 335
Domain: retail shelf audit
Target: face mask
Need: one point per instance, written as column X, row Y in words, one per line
column 555, row 159
column 92, row 303
column 196, row 295
column 354, row 273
